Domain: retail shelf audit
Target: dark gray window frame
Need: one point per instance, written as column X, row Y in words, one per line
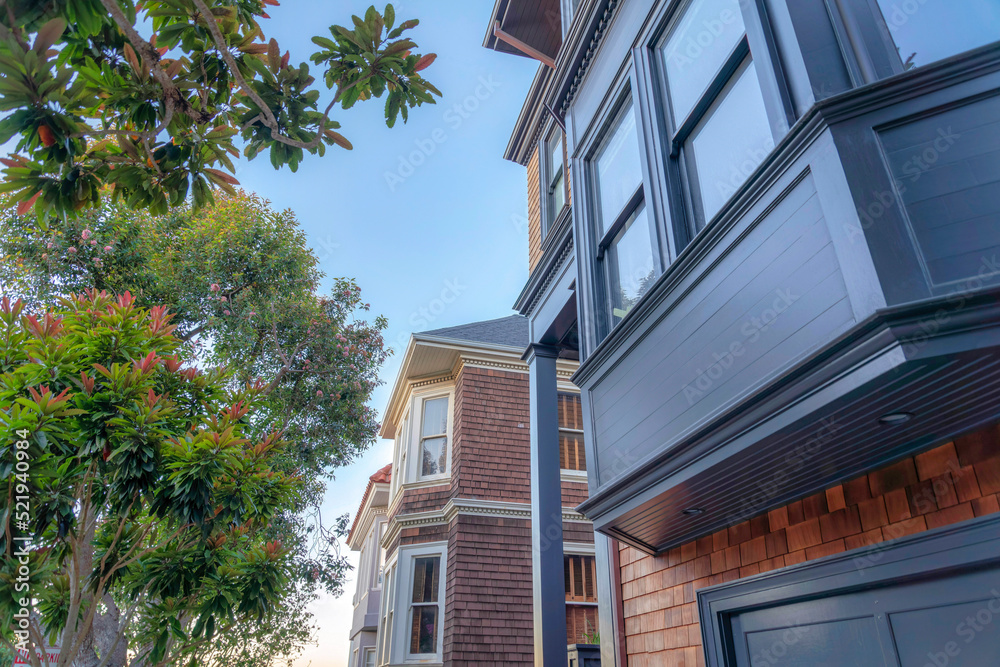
column 621, row 96
column 760, row 44
column 959, row 547
column 549, row 219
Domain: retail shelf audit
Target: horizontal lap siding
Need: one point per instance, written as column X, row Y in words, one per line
column 947, row 172
column 951, row 483
column 778, row 295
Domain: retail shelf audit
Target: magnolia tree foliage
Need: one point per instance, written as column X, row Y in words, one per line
column 144, row 485
column 155, row 98
column 244, row 291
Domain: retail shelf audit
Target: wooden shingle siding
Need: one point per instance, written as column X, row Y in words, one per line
column 488, row 593
column 492, row 449
column 534, row 212
column 954, row 482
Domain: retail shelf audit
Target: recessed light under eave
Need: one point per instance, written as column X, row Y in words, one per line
column 895, row 418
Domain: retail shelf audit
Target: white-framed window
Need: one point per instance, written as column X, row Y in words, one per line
column 430, row 441
column 399, row 455
column 413, row 607
column 386, row 629
column 369, row 657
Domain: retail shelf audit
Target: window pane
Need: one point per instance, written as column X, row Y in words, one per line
column 732, row 141
column 435, row 417
column 570, row 411
column 619, row 171
column 434, row 458
column 370, row 658
column 571, row 452
column 929, row 30
column 557, row 199
column 423, row 634
column 698, row 48
column 555, row 154
column 426, row 577
column 632, row 264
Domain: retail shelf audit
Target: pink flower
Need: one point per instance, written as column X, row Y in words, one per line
column 93, row 242
column 97, row 260
column 71, row 250
column 253, row 313
column 223, row 299
column 86, row 234
column 320, row 393
column 214, row 287
column 45, row 255
column 227, row 312
column 107, row 248
column 48, row 245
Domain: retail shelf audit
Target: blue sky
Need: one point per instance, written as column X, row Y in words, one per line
column 428, row 217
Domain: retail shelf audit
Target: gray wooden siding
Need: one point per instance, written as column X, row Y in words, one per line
column 770, row 294
column 946, row 168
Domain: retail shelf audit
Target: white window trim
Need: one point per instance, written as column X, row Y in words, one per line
column 413, row 445
column 402, row 612
column 386, row 631
column 370, row 650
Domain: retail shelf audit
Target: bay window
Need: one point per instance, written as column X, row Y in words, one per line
column 719, row 130
column 625, row 244
column 413, row 609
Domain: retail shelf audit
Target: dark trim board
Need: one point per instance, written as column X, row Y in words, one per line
column 932, row 554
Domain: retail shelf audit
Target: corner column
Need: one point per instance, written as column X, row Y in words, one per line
column 547, row 572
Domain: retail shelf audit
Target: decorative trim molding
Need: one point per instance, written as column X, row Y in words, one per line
column 437, row 380
column 588, row 55
column 469, row 507
column 479, row 362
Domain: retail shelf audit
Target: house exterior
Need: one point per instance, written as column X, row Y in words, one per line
column 770, row 232
column 456, row 540
column 366, row 533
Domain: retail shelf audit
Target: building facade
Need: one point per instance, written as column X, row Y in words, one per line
column 456, row 545
column 365, row 537
column 770, row 232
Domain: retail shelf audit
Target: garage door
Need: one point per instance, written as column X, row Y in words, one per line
column 928, row 601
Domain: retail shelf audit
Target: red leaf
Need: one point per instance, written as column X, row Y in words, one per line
column 25, row 206
column 425, row 62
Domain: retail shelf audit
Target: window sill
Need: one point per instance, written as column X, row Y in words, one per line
column 575, row 476
column 426, row 483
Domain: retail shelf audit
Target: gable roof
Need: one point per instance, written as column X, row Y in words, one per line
column 511, row 331
column 383, row 476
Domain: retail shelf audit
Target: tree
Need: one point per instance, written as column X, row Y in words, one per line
column 245, row 290
column 97, row 104
column 137, row 483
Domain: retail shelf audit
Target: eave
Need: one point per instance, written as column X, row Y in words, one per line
column 818, row 425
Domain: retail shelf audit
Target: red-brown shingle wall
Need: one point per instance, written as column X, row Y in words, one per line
column 950, row 483
column 573, row 493
column 488, row 618
column 492, row 447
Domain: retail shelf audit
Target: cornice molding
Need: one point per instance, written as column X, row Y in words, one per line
column 479, row 362
column 468, row 507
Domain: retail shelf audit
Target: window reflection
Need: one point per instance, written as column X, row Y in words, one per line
column 928, row 30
